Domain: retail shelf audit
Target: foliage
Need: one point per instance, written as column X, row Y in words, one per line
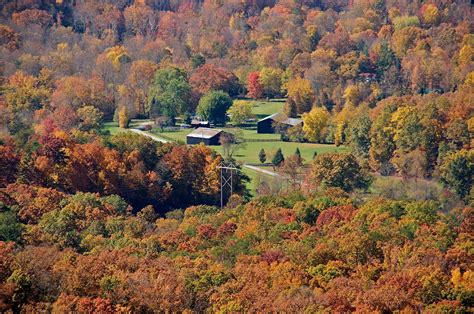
column 315, row 123
column 457, row 172
column 254, row 87
column 300, row 93
column 169, row 93
column 278, row 158
column 106, row 223
column 239, row 112
column 339, row 170
column 213, row 107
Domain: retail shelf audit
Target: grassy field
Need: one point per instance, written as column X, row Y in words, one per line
column 250, row 150
column 261, row 109
column 114, row 129
column 255, row 178
column 248, row 134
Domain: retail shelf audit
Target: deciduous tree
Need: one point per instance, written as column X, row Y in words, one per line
column 315, row 123
column 213, row 107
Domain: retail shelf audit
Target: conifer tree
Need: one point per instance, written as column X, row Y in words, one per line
column 278, row 158
column 262, row 156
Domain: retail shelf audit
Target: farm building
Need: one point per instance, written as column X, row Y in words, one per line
column 204, row 135
column 200, row 124
column 267, row 124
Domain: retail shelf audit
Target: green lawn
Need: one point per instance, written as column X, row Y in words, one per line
column 173, row 135
column 255, row 178
column 113, row 128
column 250, row 149
column 261, row 109
column 249, row 153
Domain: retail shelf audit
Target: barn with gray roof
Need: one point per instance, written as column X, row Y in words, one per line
column 204, row 135
column 267, row 124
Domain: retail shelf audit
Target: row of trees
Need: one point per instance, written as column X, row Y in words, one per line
column 135, row 167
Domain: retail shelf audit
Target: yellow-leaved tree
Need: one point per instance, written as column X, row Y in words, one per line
column 315, row 123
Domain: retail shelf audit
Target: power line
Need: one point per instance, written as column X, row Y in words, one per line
column 226, row 179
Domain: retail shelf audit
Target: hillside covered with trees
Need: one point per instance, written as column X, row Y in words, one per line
column 94, row 221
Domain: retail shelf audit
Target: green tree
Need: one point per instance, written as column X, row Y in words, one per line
column 240, row 111
column 10, row 228
column 271, row 81
column 359, row 138
column 407, row 128
column 278, row 158
column 169, row 93
column 197, row 60
column 262, row 156
column 339, row 170
column 457, row 172
column 213, row 106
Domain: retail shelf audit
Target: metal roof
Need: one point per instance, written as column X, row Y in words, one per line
column 281, row 118
column 204, row 133
column 195, row 121
column 273, row 116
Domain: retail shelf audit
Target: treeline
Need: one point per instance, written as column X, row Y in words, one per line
column 133, row 166
column 319, row 252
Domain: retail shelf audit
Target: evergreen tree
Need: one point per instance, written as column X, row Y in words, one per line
column 262, row 156
column 278, row 158
column 290, row 109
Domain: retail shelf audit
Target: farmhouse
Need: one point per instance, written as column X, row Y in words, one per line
column 204, row 135
column 267, row 124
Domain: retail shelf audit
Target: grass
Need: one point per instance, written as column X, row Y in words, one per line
column 254, row 176
column 249, row 153
column 261, row 109
column 248, row 134
column 114, row 128
column 173, row 135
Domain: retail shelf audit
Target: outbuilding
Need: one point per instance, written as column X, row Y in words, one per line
column 204, row 135
column 267, row 124
column 200, row 124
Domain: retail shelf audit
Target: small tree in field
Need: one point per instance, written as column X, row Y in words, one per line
column 278, row 158
column 262, row 156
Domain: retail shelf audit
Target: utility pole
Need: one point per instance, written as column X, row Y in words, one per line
column 227, row 174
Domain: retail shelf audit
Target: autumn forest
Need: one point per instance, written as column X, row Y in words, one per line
column 349, row 125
